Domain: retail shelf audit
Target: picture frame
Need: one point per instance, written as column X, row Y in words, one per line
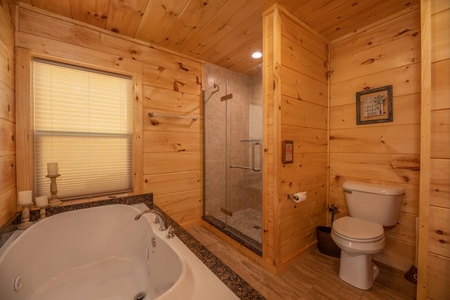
column 287, row 156
column 374, row 105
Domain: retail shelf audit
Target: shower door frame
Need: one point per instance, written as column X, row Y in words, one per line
column 212, row 219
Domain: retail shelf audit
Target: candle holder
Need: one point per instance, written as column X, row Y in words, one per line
column 54, row 201
column 42, row 213
column 25, row 217
column 42, row 203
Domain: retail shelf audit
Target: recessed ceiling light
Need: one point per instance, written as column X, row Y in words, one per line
column 256, row 54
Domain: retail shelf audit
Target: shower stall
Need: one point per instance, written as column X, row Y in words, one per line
column 233, row 159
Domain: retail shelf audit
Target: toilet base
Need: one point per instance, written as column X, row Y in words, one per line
column 358, row 270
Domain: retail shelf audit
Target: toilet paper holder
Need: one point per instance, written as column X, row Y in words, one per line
column 297, row 197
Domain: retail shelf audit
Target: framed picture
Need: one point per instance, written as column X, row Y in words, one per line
column 374, row 106
column 287, row 156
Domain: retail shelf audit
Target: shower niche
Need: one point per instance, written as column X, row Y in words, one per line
column 232, row 106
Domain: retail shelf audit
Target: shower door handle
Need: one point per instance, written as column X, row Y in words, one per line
column 254, row 157
column 253, row 167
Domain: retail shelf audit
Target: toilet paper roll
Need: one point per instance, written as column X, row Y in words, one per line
column 299, row 197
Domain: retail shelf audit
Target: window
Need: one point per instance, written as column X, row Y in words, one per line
column 83, row 121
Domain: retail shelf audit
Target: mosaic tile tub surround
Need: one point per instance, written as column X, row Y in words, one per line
column 239, row 286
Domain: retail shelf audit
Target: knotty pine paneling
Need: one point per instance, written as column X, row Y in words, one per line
column 271, row 93
column 86, row 55
column 384, row 53
column 171, row 141
column 125, row 17
column 406, row 81
column 440, row 72
column 168, row 183
column 406, row 111
column 6, row 65
column 7, row 113
column 79, row 34
column 440, row 43
column 388, row 139
column 223, row 33
column 170, row 148
column 155, row 25
column 305, row 165
column 395, row 168
column 303, row 61
column 7, row 103
column 437, row 277
column 439, row 201
column 314, row 186
column 440, row 183
column 395, row 54
column 351, row 15
column 298, row 86
column 7, row 139
column 403, row 26
column 170, row 101
column 186, row 210
column 302, row 114
column 439, row 228
column 306, row 140
column 304, row 119
column 161, row 163
column 440, row 127
column 7, row 203
column 7, row 172
column 396, row 45
column 195, row 15
column 156, row 75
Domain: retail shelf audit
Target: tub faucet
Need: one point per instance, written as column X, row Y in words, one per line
column 158, row 220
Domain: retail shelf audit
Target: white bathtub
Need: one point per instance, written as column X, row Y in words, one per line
column 103, row 253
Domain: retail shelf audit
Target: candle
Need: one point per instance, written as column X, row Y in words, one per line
column 25, row 198
column 42, row 201
column 52, row 169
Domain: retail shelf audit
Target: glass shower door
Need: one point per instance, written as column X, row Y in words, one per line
column 215, row 152
column 233, row 177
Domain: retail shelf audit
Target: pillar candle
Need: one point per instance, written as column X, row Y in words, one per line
column 25, row 198
column 42, row 201
column 52, row 169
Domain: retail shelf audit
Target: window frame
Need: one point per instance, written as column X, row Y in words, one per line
column 24, row 119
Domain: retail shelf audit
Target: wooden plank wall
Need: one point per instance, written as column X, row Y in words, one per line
column 271, row 129
column 296, row 91
column 438, row 276
column 169, row 164
column 7, row 113
column 385, row 53
column 304, row 120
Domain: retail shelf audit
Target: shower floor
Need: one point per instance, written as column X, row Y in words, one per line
column 247, row 221
column 244, row 227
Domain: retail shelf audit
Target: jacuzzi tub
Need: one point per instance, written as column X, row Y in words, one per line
column 103, row 253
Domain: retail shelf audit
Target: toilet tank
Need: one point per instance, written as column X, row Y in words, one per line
column 376, row 203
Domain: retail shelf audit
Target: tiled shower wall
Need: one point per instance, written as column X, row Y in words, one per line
column 243, row 126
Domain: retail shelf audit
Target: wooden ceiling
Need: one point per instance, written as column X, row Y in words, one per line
column 221, row 32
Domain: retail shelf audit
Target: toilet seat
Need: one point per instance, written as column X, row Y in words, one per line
column 357, row 230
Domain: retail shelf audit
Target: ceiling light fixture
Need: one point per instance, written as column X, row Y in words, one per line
column 257, row 54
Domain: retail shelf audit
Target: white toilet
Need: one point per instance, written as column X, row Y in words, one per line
column 361, row 234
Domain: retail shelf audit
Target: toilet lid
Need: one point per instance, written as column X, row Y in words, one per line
column 353, row 228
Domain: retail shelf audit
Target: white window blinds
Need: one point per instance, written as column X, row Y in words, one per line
column 83, row 121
